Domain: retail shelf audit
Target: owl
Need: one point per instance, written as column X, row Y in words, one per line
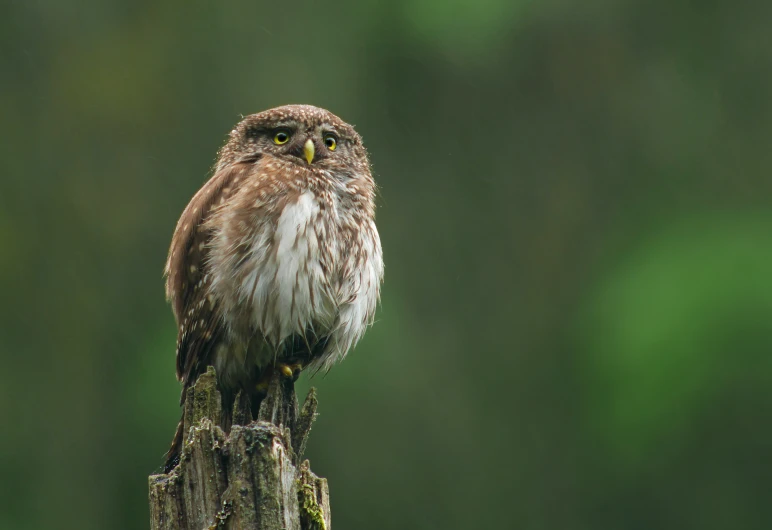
column 276, row 263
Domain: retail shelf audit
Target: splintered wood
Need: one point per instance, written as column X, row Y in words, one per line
column 250, row 478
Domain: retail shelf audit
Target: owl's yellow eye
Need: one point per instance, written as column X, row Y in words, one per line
column 330, row 142
column 281, row 137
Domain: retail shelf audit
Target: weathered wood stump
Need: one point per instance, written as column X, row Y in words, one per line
column 250, row 478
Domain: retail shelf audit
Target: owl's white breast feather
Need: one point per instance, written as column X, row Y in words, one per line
column 358, row 294
column 284, row 288
column 299, row 272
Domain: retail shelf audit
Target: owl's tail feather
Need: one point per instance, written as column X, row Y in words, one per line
column 173, row 454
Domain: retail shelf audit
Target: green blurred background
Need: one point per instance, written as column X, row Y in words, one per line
column 576, row 214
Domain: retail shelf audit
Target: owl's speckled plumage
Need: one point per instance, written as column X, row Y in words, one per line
column 276, row 259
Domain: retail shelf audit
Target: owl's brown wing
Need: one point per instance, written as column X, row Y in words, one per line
column 199, row 323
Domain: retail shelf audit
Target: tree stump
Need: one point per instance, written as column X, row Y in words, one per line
column 250, row 478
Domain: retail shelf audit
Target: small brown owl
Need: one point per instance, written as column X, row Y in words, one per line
column 276, row 262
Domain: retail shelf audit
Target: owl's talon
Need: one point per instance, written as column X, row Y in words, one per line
column 290, row 370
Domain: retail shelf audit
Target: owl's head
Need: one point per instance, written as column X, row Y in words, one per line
column 309, row 136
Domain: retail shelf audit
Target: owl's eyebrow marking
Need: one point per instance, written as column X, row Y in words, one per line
column 283, row 125
column 256, row 130
column 332, row 130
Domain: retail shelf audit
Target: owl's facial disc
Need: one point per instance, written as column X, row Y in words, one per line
column 309, row 150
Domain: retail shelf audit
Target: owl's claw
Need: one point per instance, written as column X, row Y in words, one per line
column 290, row 370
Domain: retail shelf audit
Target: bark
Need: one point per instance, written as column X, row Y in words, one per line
column 250, row 478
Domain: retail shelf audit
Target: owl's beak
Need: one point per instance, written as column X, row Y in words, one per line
column 309, row 150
